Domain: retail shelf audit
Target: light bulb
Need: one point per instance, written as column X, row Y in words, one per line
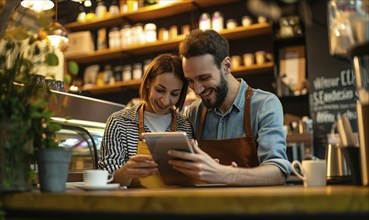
column 38, row 5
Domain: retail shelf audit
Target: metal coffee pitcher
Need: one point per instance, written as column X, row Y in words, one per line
column 338, row 170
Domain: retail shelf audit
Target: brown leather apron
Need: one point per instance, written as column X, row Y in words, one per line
column 242, row 150
column 153, row 181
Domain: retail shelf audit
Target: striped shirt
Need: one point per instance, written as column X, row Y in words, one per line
column 121, row 133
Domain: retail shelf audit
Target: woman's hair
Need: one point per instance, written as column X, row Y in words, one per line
column 164, row 63
column 200, row 42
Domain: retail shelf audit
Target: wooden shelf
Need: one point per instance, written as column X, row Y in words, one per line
column 300, row 138
column 116, row 53
column 243, row 71
column 116, row 87
column 135, row 84
column 145, row 13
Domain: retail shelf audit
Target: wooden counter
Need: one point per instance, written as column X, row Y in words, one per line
column 287, row 201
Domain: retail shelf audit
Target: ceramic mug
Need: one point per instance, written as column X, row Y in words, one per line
column 97, row 177
column 313, row 172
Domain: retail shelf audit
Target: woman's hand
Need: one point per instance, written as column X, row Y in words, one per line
column 141, row 165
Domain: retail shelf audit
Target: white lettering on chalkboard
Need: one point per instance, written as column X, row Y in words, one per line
column 323, row 97
column 347, row 77
column 325, row 117
column 324, row 83
column 333, row 96
column 350, row 114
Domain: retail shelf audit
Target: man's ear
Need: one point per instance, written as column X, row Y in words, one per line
column 227, row 65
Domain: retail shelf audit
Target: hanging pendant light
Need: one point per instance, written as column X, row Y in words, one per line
column 58, row 36
column 57, row 33
column 58, row 39
column 38, row 5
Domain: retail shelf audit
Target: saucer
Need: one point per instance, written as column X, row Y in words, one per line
column 109, row 186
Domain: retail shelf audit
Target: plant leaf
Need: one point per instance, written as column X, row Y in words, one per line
column 51, row 59
column 73, row 68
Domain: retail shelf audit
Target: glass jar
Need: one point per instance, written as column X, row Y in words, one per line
column 163, row 34
column 246, row 21
column 126, row 36
column 231, row 23
column 114, row 8
column 205, row 22
column 127, row 73
column 260, row 57
column 114, row 38
column 101, row 9
column 118, row 73
column 137, row 71
column 185, row 30
column 248, row 59
column 236, row 61
column 262, row 19
column 108, row 74
column 138, row 34
column 217, row 21
column 150, row 32
column 173, row 32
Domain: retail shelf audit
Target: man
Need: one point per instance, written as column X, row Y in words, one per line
column 239, row 129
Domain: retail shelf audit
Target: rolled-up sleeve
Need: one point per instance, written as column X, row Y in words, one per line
column 271, row 137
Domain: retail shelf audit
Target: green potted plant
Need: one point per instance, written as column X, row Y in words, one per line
column 26, row 127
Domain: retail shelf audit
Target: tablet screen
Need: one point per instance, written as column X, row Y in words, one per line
column 159, row 143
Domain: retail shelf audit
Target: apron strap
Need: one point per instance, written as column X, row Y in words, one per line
column 247, row 118
column 141, row 124
column 202, row 121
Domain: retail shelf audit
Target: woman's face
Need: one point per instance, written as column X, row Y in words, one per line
column 164, row 93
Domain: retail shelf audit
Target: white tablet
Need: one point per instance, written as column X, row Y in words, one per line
column 159, row 143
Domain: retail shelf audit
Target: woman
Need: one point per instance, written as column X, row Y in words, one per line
column 163, row 91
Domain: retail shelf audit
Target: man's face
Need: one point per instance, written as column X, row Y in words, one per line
column 205, row 79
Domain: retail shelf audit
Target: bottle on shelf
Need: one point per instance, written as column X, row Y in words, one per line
column 138, row 35
column 137, row 71
column 101, row 9
column 127, row 72
column 205, row 21
column 114, row 38
column 114, row 8
column 108, row 75
column 118, row 73
column 149, row 2
column 101, row 39
column 126, row 36
column 82, row 13
column 150, row 32
column 217, row 21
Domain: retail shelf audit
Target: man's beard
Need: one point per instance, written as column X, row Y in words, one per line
column 221, row 92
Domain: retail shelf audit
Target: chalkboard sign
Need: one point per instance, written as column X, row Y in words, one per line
column 332, row 90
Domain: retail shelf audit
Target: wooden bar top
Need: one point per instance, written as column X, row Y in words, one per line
column 215, row 200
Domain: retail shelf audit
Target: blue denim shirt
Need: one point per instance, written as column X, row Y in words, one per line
column 266, row 122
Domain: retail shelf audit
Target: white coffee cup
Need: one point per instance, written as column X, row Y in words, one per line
column 313, row 172
column 96, row 177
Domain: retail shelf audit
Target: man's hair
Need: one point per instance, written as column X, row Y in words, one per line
column 200, row 42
